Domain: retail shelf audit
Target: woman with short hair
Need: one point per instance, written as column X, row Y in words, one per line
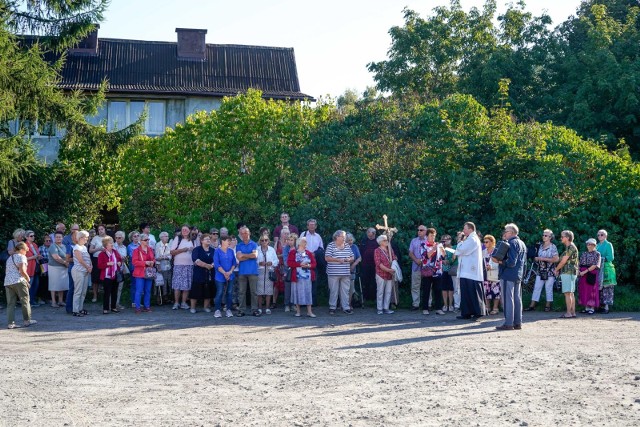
column 357, row 259
column 607, row 272
column 58, row 270
column 339, row 257
column 545, row 258
column 224, row 261
column 18, row 236
column 589, row 283
column 122, row 250
column 202, row 287
column 181, row 248
column 163, row 263
column 95, row 249
column 279, row 285
column 80, row 272
column 109, row 263
column 567, row 269
column 303, row 271
column 134, row 243
column 142, row 259
column 33, row 266
column 492, row 282
column 382, row 258
column 16, row 285
column 267, row 262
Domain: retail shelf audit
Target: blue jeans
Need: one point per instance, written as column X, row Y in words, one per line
column 143, row 286
column 33, row 290
column 220, row 288
column 69, row 301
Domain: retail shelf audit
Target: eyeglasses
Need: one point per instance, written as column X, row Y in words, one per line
column 30, row 235
column 421, row 229
column 600, row 234
column 214, row 234
column 145, row 240
column 546, row 235
column 263, row 240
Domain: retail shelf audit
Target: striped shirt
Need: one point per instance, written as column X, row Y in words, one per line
column 335, row 268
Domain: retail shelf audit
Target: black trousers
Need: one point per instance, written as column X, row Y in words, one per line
column 110, row 294
column 428, row 284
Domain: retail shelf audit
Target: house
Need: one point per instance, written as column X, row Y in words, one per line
column 171, row 79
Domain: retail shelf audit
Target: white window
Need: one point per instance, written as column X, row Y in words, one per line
column 121, row 114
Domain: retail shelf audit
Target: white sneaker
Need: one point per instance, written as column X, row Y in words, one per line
column 27, row 323
column 229, row 313
column 451, row 308
column 176, row 306
column 439, row 312
column 287, row 309
column 217, row 314
column 192, row 311
column 379, row 311
column 267, row 311
column 444, row 308
column 259, row 311
column 207, row 310
column 389, row 312
column 185, row 306
column 425, row 312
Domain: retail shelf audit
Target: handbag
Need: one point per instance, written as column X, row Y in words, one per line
column 272, row 275
column 453, row 270
column 119, row 276
column 159, row 279
column 149, row 272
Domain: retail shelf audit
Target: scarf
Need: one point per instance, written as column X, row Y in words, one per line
column 110, row 272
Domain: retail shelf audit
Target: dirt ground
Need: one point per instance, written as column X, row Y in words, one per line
column 170, row 368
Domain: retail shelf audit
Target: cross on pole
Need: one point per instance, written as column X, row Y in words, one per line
column 389, row 231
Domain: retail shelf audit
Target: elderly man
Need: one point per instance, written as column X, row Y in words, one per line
column 339, row 257
column 416, row 250
column 470, row 271
column 247, row 256
column 511, row 272
column 315, row 245
column 59, row 227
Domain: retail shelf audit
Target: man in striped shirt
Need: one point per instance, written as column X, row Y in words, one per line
column 339, row 257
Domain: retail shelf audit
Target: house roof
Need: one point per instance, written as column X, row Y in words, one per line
column 135, row 66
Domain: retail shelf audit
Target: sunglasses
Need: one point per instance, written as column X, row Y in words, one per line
column 263, row 240
column 214, row 234
column 546, row 235
column 600, row 234
column 145, row 240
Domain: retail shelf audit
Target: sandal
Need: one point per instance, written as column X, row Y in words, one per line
column 547, row 309
column 494, row 312
column 564, row 316
column 115, row 310
column 78, row 315
column 529, row 308
column 84, row 312
column 105, row 311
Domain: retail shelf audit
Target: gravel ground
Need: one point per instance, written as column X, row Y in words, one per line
column 170, row 368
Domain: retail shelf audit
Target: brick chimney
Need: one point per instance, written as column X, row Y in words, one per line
column 87, row 46
column 191, row 44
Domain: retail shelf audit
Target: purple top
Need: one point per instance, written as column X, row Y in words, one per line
column 416, row 250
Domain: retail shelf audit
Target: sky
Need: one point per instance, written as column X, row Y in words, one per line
column 333, row 40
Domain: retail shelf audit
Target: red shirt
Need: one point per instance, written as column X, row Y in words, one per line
column 139, row 259
column 381, row 257
column 31, row 264
column 291, row 262
column 103, row 259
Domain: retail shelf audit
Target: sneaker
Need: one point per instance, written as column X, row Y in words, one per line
column 389, row 312
column 311, row 315
column 217, row 314
column 287, row 309
column 451, row 308
column 379, row 311
column 146, row 310
column 348, row 311
column 259, row 311
column 240, row 314
column 208, row 310
column 333, row 311
column 439, row 312
column 267, row 311
column 444, row 308
column 297, row 314
column 185, row 306
column 175, row 306
column 192, row 310
column 229, row 313
column 12, row 326
column 425, row 312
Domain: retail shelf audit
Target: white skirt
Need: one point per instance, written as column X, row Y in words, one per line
column 58, row 278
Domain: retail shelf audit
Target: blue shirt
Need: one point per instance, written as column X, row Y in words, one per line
column 249, row 266
column 132, row 247
column 226, row 260
column 512, row 268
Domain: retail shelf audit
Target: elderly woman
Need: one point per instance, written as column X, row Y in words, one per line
column 33, row 266
column 134, row 243
column 588, row 282
column 567, row 269
column 278, row 285
column 432, row 260
column 339, row 257
column 357, row 259
column 109, row 263
column 546, row 257
column 383, row 257
column 267, row 262
column 181, row 248
column 18, row 236
column 607, row 272
column 289, row 245
column 95, row 248
column 492, row 282
column 202, row 287
column 303, row 271
column 58, row 273
column 163, row 264
column 143, row 259
column 447, row 279
column 16, row 285
column 122, row 250
column 81, row 270
column 224, row 261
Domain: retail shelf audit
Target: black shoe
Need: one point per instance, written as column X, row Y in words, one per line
column 347, row 311
column 463, row 317
column 517, row 327
column 529, row 309
column 257, row 313
column 414, row 308
column 240, row 314
column 332, row 312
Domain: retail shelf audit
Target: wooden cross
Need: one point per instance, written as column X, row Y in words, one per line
column 387, row 230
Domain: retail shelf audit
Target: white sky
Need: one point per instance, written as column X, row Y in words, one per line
column 333, row 40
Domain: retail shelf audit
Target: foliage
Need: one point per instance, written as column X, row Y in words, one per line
column 219, row 167
column 584, row 74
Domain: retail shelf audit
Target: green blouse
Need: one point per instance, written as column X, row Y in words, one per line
column 606, row 251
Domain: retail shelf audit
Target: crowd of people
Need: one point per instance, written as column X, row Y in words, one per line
column 234, row 276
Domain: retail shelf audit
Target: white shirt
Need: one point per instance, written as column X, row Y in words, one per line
column 314, row 241
column 469, row 253
column 96, row 243
column 268, row 256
